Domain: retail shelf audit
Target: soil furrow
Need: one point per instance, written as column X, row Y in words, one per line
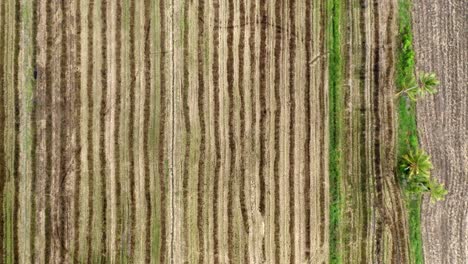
column 242, row 116
column 162, row 154
column 62, row 106
column 116, row 127
column 89, row 129
column 103, row 113
column 231, row 181
column 376, row 138
column 56, row 240
column 201, row 116
column 16, row 226
column 77, row 119
column 3, row 172
column 187, row 130
column 279, row 6
column 292, row 132
column 241, row 176
column 323, row 133
column 146, row 127
column 262, row 103
column 215, row 73
column 308, row 127
column 132, row 79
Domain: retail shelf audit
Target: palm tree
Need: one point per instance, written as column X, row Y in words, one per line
column 416, row 167
column 416, row 163
column 425, row 85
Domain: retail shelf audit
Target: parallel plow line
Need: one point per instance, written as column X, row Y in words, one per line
column 205, row 131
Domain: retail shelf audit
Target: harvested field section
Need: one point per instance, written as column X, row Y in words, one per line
column 203, row 131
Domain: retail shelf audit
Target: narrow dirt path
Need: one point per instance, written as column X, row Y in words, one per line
column 441, row 46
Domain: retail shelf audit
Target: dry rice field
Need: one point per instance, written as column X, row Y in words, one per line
column 213, row 131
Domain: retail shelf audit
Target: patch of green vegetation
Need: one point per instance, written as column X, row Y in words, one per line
column 407, row 130
column 335, row 79
column 415, row 175
column 425, row 85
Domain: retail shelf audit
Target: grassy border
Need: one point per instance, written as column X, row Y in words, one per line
column 335, row 69
column 407, row 126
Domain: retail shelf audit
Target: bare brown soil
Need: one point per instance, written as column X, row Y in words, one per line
column 441, row 45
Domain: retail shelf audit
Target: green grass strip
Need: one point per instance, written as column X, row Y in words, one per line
column 407, row 129
column 335, row 80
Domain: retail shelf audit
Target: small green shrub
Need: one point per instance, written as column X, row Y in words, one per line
column 416, row 175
